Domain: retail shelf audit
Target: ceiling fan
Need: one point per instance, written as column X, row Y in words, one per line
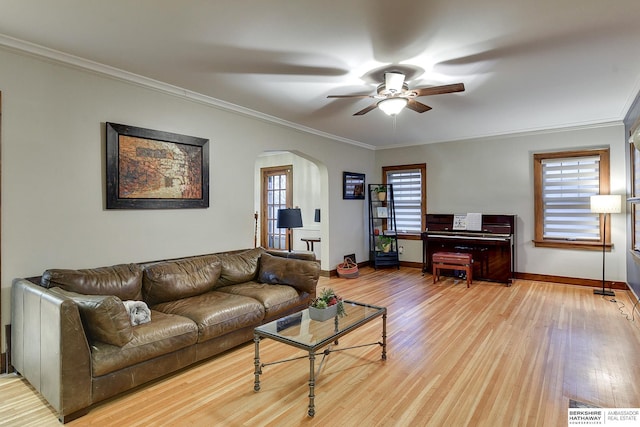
column 394, row 95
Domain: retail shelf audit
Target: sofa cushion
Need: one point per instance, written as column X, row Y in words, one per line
column 173, row 280
column 123, row 281
column 164, row 334
column 216, row 313
column 301, row 274
column 276, row 299
column 104, row 317
column 239, row 267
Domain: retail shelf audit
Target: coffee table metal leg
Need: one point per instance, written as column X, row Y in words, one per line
column 256, row 361
column 384, row 336
column 312, row 383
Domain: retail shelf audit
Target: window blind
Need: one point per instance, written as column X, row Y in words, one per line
column 567, row 185
column 407, row 193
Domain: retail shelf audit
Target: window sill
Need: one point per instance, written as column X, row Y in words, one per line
column 566, row 244
column 409, row 236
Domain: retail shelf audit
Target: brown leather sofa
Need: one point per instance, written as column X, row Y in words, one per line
column 73, row 340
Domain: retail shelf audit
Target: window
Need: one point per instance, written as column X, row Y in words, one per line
column 409, row 192
column 564, row 183
column 276, row 194
column 635, row 194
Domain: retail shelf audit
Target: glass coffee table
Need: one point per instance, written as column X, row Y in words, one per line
column 298, row 330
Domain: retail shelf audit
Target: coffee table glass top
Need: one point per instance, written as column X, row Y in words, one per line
column 300, row 331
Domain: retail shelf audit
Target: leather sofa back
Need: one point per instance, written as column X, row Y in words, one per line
column 123, row 281
column 240, row 267
column 173, row 280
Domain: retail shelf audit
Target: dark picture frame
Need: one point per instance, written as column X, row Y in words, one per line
column 150, row 169
column 353, row 186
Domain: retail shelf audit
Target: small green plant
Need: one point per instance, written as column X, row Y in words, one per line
column 327, row 298
column 385, row 242
column 380, row 188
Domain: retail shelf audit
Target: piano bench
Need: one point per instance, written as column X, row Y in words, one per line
column 452, row 261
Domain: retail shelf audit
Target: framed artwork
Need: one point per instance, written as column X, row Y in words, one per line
column 150, row 169
column 352, row 185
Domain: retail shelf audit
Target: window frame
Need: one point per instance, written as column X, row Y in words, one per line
column 604, row 177
column 635, row 197
column 423, row 199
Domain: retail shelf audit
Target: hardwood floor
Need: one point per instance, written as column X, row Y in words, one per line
column 489, row 355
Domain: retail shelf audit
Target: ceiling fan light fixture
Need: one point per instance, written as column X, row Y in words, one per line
column 393, row 81
column 392, row 106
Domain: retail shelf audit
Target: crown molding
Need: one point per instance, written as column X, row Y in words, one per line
column 39, row 51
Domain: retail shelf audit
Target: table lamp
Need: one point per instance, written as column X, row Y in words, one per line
column 289, row 218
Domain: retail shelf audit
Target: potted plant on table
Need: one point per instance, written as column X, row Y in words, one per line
column 327, row 305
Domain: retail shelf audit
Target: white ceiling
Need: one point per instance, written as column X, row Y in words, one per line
column 526, row 64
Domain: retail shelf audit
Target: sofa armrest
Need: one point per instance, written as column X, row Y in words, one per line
column 301, row 274
column 49, row 346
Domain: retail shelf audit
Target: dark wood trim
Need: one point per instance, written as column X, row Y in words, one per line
column 568, row 244
column 265, row 173
column 409, row 236
column 411, row 264
column 5, row 358
column 423, row 170
column 572, row 281
column 538, row 158
column 594, row 283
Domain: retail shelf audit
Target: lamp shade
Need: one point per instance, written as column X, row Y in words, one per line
column 289, row 218
column 606, row 203
column 316, row 218
column 392, row 106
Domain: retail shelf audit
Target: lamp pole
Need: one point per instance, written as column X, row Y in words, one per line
column 605, row 204
column 603, row 291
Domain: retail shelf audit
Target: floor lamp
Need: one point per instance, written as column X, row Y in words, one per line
column 604, row 204
column 289, row 218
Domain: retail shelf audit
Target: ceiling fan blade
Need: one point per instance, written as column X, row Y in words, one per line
column 438, row 90
column 349, row 96
column 417, row 106
column 366, row 110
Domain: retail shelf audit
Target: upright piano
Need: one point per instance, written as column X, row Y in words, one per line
column 492, row 247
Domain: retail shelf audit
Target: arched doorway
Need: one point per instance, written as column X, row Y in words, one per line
column 309, row 193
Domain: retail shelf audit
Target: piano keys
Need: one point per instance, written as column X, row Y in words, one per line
column 492, row 247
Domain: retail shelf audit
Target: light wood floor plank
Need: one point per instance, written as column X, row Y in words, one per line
column 489, row 355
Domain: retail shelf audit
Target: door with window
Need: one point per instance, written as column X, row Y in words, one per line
column 277, row 190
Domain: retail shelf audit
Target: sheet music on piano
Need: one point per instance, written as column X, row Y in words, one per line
column 459, row 222
column 469, row 221
column 474, row 221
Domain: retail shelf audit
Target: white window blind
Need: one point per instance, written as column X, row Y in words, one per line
column 407, row 193
column 567, row 185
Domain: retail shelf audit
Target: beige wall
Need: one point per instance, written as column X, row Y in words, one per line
column 53, row 178
column 495, row 175
column 53, row 172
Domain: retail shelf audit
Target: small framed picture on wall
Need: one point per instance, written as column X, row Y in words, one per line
column 352, row 185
